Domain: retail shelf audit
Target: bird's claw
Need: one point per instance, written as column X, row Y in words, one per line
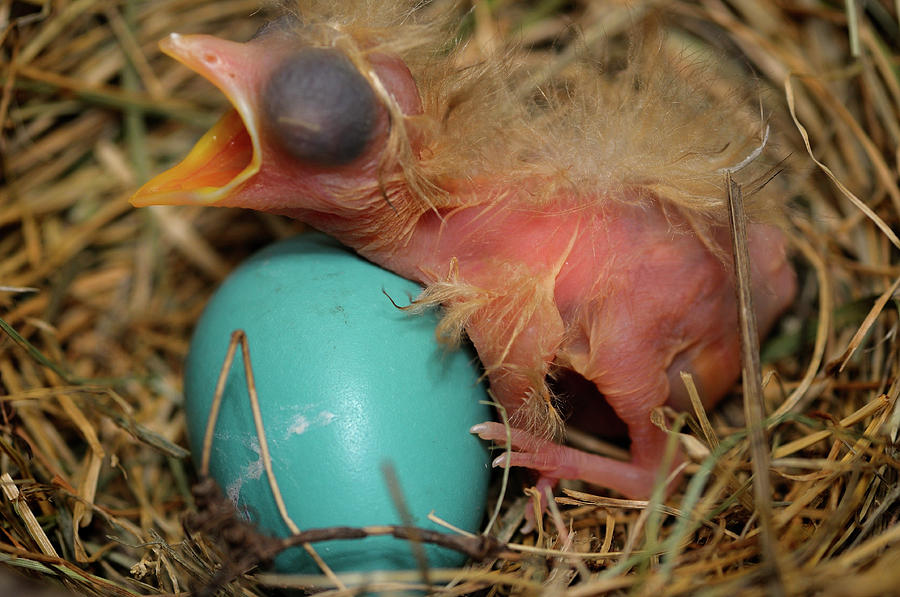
column 524, row 449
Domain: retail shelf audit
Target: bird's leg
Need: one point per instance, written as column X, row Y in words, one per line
column 634, row 479
column 553, row 461
column 517, row 335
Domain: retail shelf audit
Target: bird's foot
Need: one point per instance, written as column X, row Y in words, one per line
column 555, row 461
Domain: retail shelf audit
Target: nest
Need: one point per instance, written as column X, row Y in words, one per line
column 97, row 301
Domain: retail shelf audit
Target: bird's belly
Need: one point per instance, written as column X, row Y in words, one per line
column 641, row 295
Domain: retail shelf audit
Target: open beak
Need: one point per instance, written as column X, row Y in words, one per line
column 229, row 154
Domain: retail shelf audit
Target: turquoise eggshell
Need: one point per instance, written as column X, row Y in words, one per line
column 347, row 383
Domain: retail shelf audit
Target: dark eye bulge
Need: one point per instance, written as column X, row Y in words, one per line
column 319, row 107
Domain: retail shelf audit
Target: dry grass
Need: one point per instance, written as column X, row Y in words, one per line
column 97, row 300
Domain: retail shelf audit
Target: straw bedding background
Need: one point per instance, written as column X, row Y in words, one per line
column 97, row 301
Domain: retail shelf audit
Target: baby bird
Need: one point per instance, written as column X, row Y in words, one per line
column 569, row 223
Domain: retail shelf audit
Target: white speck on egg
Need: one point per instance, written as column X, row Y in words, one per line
column 234, row 490
column 301, row 424
column 254, row 470
column 251, row 470
column 298, row 426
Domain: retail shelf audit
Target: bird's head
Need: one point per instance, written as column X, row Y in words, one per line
column 316, row 117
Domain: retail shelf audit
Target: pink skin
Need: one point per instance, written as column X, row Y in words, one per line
column 616, row 293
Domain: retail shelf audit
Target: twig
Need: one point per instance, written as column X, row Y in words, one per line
column 238, row 337
column 754, row 406
column 393, row 483
column 247, row 547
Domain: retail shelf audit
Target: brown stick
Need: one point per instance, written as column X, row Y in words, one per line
column 754, row 407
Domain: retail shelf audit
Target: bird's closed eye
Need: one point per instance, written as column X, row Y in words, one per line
column 319, row 107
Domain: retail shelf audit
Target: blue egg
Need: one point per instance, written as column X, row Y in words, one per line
column 347, row 384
